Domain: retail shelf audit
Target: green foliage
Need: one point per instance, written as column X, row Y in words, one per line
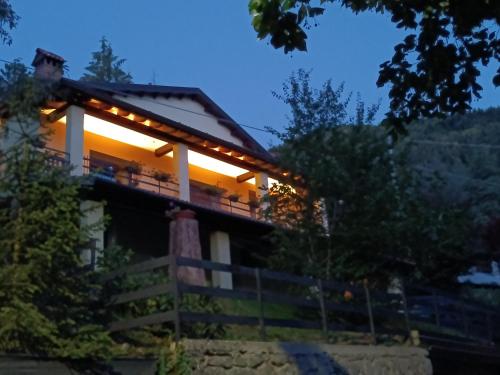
column 48, row 299
column 359, row 212
column 115, row 258
column 465, row 152
column 105, row 66
column 173, row 359
column 434, row 70
column 8, row 21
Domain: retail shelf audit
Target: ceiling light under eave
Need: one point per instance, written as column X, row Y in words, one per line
column 119, row 133
column 214, row 165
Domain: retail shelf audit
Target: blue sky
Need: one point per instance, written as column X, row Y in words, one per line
column 211, row 45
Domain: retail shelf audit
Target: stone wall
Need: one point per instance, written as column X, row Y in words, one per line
column 242, row 358
column 234, row 357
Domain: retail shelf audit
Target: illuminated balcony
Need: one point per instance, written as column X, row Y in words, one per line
column 126, row 157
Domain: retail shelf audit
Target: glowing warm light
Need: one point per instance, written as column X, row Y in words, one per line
column 120, row 134
column 114, row 110
column 47, row 111
column 214, row 165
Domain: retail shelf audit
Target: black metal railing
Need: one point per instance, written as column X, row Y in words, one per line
column 143, row 180
column 226, row 202
column 56, row 158
column 149, row 181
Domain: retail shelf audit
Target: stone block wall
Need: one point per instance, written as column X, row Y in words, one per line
column 242, row 358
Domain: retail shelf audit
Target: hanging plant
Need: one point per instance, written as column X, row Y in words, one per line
column 161, row 176
column 133, row 168
column 253, row 203
column 234, row 197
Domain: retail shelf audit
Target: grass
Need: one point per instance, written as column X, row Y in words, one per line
column 280, row 311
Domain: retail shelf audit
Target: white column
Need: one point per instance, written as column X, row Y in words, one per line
column 262, row 187
column 74, row 138
column 181, row 169
column 92, row 216
column 220, row 252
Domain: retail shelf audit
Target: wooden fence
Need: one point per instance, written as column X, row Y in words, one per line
column 324, row 305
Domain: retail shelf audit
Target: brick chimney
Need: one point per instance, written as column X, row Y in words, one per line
column 48, row 65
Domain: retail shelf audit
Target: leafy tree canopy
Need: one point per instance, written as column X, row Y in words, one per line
column 105, row 66
column 8, row 21
column 48, row 299
column 360, row 212
column 435, row 68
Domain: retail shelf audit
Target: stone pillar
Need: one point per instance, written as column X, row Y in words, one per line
column 185, row 242
column 74, row 138
column 220, row 252
column 93, row 214
column 262, row 187
column 181, row 169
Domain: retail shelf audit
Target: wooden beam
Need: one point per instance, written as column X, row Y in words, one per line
column 105, row 107
column 139, row 118
column 122, row 112
column 245, row 177
column 58, row 114
column 154, row 124
column 164, row 150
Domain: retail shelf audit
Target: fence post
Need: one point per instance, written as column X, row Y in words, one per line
column 324, row 320
column 489, row 326
column 405, row 307
column 258, row 282
column 435, row 305
column 370, row 312
column 175, row 292
column 464, row 318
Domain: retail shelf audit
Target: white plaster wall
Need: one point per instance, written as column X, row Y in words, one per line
column 169, row 108
column 11, row 132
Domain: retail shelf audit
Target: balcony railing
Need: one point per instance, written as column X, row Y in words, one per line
column 56, row 158
column 225, row 202
column 143, row 180
column 149, row 181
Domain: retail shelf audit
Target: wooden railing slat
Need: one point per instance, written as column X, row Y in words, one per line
column 137, row 295
column 147, row 265
column 157, row 318
column 214, row 266
column 378, row 303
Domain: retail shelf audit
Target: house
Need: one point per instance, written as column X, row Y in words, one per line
column 152, row 149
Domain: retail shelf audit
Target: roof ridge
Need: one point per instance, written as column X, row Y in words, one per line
column 138, row 85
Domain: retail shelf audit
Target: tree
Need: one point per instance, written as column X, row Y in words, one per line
column 48, row 297
column 358, row 211
column 464, row 151
column 106, row 67
column 8, row 21
column 433, row 71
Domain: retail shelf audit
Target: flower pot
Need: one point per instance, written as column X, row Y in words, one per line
column 234, row 197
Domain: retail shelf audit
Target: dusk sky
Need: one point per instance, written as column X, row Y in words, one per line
column 212, row 45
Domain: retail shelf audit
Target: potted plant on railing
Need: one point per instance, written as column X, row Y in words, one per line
column 161, row 176
column 215, row 193
column 133, row 169
column 253, row 203
column 234, row 197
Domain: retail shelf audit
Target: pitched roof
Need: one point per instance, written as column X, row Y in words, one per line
column 196, row 94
